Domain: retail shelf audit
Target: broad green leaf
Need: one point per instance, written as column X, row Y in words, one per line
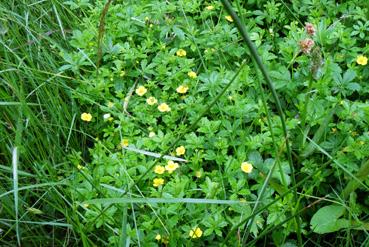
column 327, row 220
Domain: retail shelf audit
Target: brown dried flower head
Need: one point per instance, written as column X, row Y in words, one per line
column 306, row 45
column 310, row 29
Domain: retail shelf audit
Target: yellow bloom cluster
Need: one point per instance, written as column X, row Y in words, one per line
column 210, row 7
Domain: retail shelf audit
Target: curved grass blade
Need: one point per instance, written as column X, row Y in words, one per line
column 152, row 154
column 163, row 200
column 270, row 84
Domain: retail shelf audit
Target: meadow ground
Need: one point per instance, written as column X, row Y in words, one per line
column 184, row 123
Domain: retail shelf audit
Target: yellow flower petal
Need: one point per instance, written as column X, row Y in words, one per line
column 86, row 117
column 229, row 18
column 163, row 107
column 124, row 143
column 159, row 169
column 151, row 101
column 180, row 150
column 157, row 182
column 171, row 166
column 362, row 60
column 182, row 89
column 181, row 53
column 246, row 167
column 196, row 233
column 192, row 74
column 141, row 90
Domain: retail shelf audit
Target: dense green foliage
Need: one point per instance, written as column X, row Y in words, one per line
column 93, row 95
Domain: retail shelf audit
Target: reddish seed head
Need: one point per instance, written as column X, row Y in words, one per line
column 310, row 29
column 306, row 45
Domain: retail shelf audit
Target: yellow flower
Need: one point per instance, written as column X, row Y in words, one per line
column 182, row 89
column 79, row 167
column 362, row 60
column 124, row 143
column 229, row 18
column 180, row 150
column 157, row 237
column 196, row 233
column 151, row 101
column 165, row 240
column 210, row 7
column 192, row 74
column 86, row 117
column 159, row 169
column 172, row 166
column 243, row 200
column 152, row 134
column 141, row 90
column 163, row 107
column 198, row 174
column 181, row 53
column 157, row 182
column 246, row 167
column 110, row 104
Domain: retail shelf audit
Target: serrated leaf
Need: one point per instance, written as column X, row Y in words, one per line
column 180, row 34
column 349, row 75
column 353, row 86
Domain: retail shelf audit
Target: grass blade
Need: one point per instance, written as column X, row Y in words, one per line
column 163, row 200
column 270, row 84
column 15, row 190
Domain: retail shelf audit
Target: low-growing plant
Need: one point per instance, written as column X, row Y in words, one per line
column 185, row 142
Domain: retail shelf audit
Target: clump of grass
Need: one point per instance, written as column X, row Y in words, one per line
column 36, row 112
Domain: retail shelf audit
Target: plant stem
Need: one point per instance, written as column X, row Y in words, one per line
column 263, row 70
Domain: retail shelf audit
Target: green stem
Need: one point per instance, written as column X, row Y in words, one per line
column 362, row 174
column 263, row 70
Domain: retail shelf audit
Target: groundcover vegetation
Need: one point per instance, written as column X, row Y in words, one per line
column 184, row 123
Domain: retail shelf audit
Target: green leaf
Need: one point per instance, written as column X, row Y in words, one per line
column 327, row 220
column 353, row 86
column 180, row 34
column 349, row 75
